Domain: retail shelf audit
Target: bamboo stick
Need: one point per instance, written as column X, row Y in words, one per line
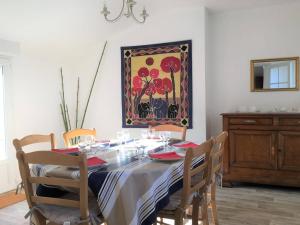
column 77, row 104
column 92, row 87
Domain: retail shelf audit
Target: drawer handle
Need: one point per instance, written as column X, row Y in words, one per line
column 251, row 121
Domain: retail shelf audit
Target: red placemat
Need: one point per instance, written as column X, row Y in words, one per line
column 95, row 161
column 167, row 155
column 186, row 145
column 65, row 150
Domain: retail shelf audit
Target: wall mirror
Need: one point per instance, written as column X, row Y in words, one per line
column 281, row 74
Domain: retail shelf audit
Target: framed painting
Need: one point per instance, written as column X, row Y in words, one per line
column 157, row 84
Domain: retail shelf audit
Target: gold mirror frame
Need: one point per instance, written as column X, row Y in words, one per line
column 252, row 62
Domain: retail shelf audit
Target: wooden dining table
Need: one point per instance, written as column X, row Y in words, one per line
column 130, row 187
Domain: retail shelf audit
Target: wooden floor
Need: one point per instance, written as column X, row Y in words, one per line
column 244, row 205
column 11, row 198
column 259, row 206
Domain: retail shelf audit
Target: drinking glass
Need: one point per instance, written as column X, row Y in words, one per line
column 140, row 149
column 144, row 134
column 151, row 133
column 126, row 136
column 82, row 144
column 120, row 137
column 89, row 140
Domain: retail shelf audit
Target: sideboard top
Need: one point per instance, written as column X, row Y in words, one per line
column 261, row 114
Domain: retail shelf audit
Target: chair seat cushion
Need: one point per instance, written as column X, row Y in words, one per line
column 61, row 214
column 175, row 200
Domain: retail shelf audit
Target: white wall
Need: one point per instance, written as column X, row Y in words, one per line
column 234, row 39
column 105, row 110
column 36, row 78
column 35, row 81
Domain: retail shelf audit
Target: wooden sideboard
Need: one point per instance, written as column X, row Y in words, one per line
column 262, row 148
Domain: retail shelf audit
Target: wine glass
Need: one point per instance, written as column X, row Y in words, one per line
column 167, row 137
column 126, row 136
column 162, row 137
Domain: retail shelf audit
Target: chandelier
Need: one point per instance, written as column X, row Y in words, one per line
column 128, row 4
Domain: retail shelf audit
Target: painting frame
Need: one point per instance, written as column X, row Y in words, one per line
column 183, row 101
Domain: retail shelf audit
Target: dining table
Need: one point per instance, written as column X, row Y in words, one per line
column 130, row 184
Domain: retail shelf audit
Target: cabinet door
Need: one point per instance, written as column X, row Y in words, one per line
column 289, row 151
column 253, row 149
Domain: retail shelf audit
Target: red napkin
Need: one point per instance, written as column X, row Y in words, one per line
column 186, row 145
column 95, row 161
column 66, row 150
column 167, row 155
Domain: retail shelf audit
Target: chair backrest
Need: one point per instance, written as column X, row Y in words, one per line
column 218, row 152
column 52, row 158
column 171, row 128
column 196, row 178
column 68, row 136
column 34, row 139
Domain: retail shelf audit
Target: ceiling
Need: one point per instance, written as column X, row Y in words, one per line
column 226, row 5
column 59, row 24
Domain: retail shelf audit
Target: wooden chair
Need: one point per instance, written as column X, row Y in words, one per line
column 70, row 135
column 29, row 140
column 194, row 191
column 34, row 139
column 217, row 164
column 171, row 128
column 57, row 210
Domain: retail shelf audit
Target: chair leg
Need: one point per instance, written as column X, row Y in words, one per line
column 213, row 204
column 19, row 188
column 195, row 213
column 38, row 218
column 179, row 218
column 204, row 213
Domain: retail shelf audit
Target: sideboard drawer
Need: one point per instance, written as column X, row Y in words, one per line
column 251, row 121
column 289, row 121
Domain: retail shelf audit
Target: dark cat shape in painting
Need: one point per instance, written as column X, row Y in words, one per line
column 173, row 111
column 143, row 109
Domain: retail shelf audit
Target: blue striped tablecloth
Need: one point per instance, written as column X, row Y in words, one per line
column 130, row 191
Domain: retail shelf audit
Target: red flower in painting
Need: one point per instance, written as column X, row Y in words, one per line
column 163, row 85
column 169, row 64
column 149, row 61
column 151, row 90
column 158, row 83
column 167, row 85
column 143, row 72
column 160, row 91
column 154, row 73
column 136, row 91
column 137, row 81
